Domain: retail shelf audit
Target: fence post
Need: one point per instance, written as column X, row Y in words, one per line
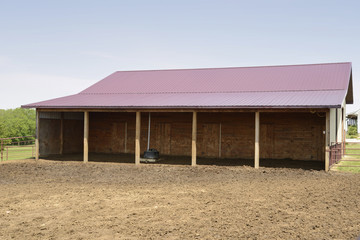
column 1, row 149
column 7, row 153
column 337, row 154
column 340, row 151
column 327, row 157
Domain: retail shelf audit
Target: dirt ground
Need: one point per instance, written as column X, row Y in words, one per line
column 73, row 200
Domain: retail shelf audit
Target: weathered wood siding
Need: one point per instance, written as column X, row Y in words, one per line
column 49, row 136
column 107, row 132
column 73, row 135
column 297, row 136
column 227, row 135
column 238, row 135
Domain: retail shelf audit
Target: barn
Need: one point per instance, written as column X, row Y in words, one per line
column 273, row 112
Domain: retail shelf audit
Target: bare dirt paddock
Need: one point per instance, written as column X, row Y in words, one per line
column 72, row 200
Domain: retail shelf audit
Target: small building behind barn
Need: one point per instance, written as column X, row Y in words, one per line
column 352, row 119
column 273, row 112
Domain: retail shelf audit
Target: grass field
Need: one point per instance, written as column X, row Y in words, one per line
column 18, row 152
column 351, row 148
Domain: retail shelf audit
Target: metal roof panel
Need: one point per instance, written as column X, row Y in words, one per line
column 274, row 78
column 311, row 85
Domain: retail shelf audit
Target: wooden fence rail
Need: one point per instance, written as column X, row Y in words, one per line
column 10, row 149
column 351, row 154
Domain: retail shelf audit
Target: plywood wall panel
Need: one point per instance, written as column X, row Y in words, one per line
column 297, row 136
column 107, row 132
column 208, row 139
column 49, row 136
column 238, row 135
column 181, row 138
column 170, row 133
column 73, row 136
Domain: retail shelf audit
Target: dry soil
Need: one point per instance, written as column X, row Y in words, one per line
column 73, row 200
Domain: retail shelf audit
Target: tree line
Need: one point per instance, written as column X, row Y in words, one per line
column 17, row 122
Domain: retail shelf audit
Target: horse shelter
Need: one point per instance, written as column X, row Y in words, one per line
column 274, row 112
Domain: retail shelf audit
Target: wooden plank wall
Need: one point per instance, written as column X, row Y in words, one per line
column 297, row 136
column 171, row 133
column 238, row 135
column 73, row 136
column 107, row 132
column 282, row 135
column 49, row 139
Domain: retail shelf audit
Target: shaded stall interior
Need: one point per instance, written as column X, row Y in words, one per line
column 223, row 138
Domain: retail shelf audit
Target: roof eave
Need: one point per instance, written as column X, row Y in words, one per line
column 184, row 107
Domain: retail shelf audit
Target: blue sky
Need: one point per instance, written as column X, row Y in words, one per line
column 50, row 49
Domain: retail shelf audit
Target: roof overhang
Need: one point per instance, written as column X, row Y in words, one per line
column 234, row 100
column 349, row 96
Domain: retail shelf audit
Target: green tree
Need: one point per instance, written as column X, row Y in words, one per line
column 17, row 122
column 352, row 131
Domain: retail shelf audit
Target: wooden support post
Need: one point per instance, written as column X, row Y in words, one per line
column 62, row 134
column 220, row 140
column 149, row 131
column 86, row 136
column 257, row 138
column 343, row 121
column 125, row 139
column 137, row 138
column 193, row 142
column 327, row 158
column 37, row 147
column 327, row 140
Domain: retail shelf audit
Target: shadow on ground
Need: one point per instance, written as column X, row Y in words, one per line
column 185, row 160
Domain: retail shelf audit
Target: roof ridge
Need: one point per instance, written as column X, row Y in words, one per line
column 317, row 90
column 210, row 68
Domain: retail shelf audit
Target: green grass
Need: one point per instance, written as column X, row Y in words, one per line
column 349, row 169
column 349, row 150
column 353, row 145
column 18, row 152
column 346, row 163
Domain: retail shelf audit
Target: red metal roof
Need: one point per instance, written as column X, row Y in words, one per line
column 295, row 86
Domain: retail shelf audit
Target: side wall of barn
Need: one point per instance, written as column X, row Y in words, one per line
column 57, row 127
column 337, row 123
